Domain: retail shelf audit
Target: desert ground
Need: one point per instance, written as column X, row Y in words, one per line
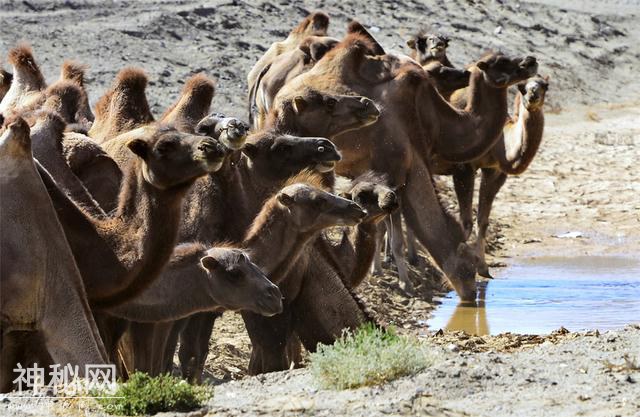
column 584, row 179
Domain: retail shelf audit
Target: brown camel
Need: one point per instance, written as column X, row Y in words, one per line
column 123, row 107
column 28, row 82
column 429, row 47
column 5, row 82
column 510, row 156
column 284, row 68
column 416, row 120
column 75, row 72
column 315, row 24
column 43, row 300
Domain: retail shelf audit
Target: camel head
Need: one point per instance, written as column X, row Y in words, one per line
column 171, row 158
column 231, row 132
column 501, row 71
column 279, row 155
column 428, row 46
column 236, row 283
column 312, row 209
column 447, row 78
column 533, row 92
column 373, row 196
column 15, row 139
column 312, row 113
column 460, row 269
column 316, row 24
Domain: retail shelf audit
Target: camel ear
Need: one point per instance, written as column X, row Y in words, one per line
column 210, row 263
column 522, row 87
column 285, row 199
column 250, row 150
column 482, row 65
column 299, row 104
column 139, row 147
column 411, row 43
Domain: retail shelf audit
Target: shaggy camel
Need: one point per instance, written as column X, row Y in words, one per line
column 512, row 155
column 123, row 107
column 429, row 47
column 43, row 301
column 416, row 120
column 315, row 24
column 26, row 88
column 5, row 82
column 284, row 68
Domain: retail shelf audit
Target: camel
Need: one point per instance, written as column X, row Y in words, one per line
column 512, row 155
column 123, row 107
column 75, row 72
column 284, row 68
column 43, row 301
column 26, row 88
column 315, row 24
column 5, row 82
column 416, row 122
column 429, row 47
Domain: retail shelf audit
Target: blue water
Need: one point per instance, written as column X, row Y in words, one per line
column 543, row 294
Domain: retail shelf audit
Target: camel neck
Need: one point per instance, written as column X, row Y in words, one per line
column 274, row 243
column 522, row 139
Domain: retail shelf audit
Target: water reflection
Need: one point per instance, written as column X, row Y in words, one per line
column 540, row 295
column 471, row 316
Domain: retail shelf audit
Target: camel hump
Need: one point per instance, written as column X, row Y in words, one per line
column 199, row 84
column 316, row 23
column 356, row 27
column 22, row 55
column 65, row 89
column 132, row 79
column 73, row 71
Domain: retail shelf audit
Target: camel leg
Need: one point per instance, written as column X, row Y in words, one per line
column 438, row 231
column 397, row 248
column 412, row 249
column 463, row 183
column 269, row 336
column 492, row 181
column 376, row 267
column 194, row 345
column 172, row 342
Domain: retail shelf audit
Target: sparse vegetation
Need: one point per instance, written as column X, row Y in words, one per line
column 143, row 394
column 368, row 356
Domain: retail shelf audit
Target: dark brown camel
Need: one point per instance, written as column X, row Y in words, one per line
column 45, row 316
column 5, row 82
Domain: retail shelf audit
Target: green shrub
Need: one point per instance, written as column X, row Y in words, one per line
column 368, row 356
column 143, row 394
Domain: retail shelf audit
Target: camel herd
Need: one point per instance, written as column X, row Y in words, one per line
column 125, row 235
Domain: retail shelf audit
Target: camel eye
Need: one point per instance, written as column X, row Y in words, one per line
column 331, row 103
column 166, row 147
column 320, row 149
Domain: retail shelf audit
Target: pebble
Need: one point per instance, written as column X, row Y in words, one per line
column 497, row 30
column 453, row 347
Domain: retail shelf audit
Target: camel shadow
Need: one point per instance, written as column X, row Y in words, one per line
column 471, row 317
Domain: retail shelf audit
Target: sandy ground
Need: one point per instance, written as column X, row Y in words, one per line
column 584, row 179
